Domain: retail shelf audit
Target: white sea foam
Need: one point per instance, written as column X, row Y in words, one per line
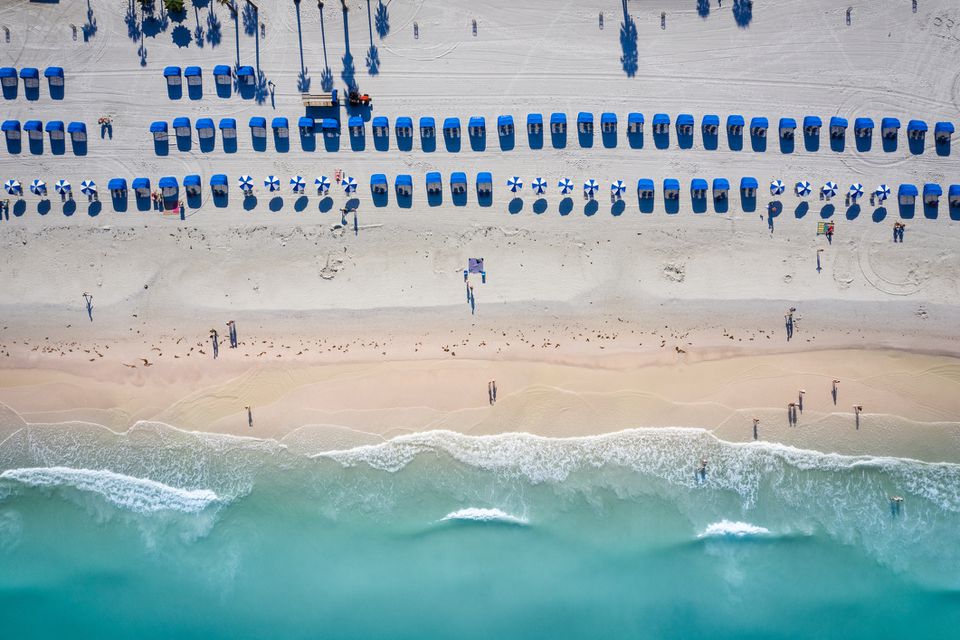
column 139, row 495
column 476, row 514
column 727, row 529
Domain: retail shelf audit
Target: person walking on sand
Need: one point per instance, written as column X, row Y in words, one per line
column 232, row 327
column 800, row 400
column 494, row 383
column 88, row 299
column 214, row 338
column 249, row 416
column 490, row 392
column 833, row 392
column 756, row 423
column 792, row 414
column 857, row 410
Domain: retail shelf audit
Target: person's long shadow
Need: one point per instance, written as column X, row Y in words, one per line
column 566, row 206
column 801, row 211
column 629, row 57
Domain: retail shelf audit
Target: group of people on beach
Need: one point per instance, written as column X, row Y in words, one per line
column 898, row 229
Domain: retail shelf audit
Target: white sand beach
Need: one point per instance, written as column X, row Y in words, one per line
column 595, row 315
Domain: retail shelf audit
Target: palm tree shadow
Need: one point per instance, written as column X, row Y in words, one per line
column 628, row 43
column 382, row 20
column 214, row 29
column 249, row 19
column 303, row 81
column 326, row 79
column 373, row 60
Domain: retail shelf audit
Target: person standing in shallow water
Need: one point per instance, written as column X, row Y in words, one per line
column 249, row 416
column 214, row 338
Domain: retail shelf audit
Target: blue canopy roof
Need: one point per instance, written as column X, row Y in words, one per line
column 635, row 118
column 33, row 125
column 245, row 70
column 221, row 70
column 53, row 125
column 671, row 184
column 8, row 72
column 863, row 123
column 932, row 189
column 355, row 121
column 788, row 123
column 117, row 184
column 684, row 120
column 661, row 118
column 721, row 184
column 736, row 120
column 477, row 121
column 10, row 125
column 168, row 182
column 404, row 180
column 433, row 177
column 812, row 121
column 280, row 123
column 608, row 118
column 29, row 72
column 171, row 71
column 759, row 122
column 748, row 182
column 534, row 118
column 205, row 123
column 907, row 190
column 330, row 124
column 76, row 127
column 644, row 184
column 378, row 178
column 698, row 184
column 943, row 127
column 228, row 123
column 192, row 71
column 484, row 177
column 711, row 120
column 954, row 190
column 451, row 123
column 505, row 121
column 192, row 180
column 584, row 116
column 458, row 177
column 53, row 72
column 258, row 121
column 141, row 183
column 181, row 122
column 403, row 122
column 427, row 122
column 916, row 125
column 158, row 127
column 837, row 121
column 218, row 180
column 380, row 121
column 558, row 118
column 306, row 122
column 890, row 123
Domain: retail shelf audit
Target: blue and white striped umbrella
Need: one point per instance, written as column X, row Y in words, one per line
column 38, row 187
column 539, row 185
column 13, row 187
column 856, row 190
column 777, row 187
column 566, row 186
column 882, row 192
column 323, row 184
column 829, row 189
column 298, row 184
column 88, row 187
column 61, row 186
column 591, row 186
column 617, row 188
column 245, row 182
column 803, row 188
column 349, row 184
column 515, row 184
column 272, row 183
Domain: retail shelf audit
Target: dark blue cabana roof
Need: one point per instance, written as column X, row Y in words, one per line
column 171, row 71
column 403, row 122
column 306, row 122
column 355, row 121
column 759, row 123
column 812, row 121
column 218, row 180
column 245, row 70
column 635, row 118
column 916, row 125
column 534, row 118
column 181, row 122
column 484, row 177
column 505, row 121
column 205, row 123
column 228, row 123
column 684, row 120
column 451, row 123
column 8, row 72
column 558, row 118
column 907, row 190
column 608, row 118
column 788, row 123
column 258, row 121
column 890, row 123
column 711, row 120
column 280, row 123
column 330, row 124
column 837, row 121
column 54, row 125
column 458, row 177
column 168, row 182
column 192, row 180
column 698, row 184
column 158, row 127
column 721, row 184
column 477, row 121
column 671, row 184
column 221, row 70
column 29, row 72
column 33, row 125
column 863, row 123
column 932, row 189
column 404, row 180
column 117, row 184
column 192, row 71
column 584, row 116
column 10, row 125
column 644, row 184
column 736, row 120
column 749, row 182
column 943, row 127
column 380, row 121
column 141, row 183
column 427, row 122
column 661, row 118
column 53, row 72
column 954, row 190
column 433, row 177
column 76, row 127
column 378, row 178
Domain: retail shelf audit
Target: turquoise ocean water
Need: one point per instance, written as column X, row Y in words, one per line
column 164, row 534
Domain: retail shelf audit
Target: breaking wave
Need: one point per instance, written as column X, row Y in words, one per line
column 727, row 529
column 474, row 514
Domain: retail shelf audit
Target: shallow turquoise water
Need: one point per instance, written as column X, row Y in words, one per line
column 443, row 536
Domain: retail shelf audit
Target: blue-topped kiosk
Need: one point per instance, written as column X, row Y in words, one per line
column 635, row 122
column 645, row 188
column 916, row 130
column 34, row 129
column 477, row 126
column 788, row 128
column 484, row 182
column 505, row 125
column 381, row 127
column 608, row 122
column 458, row 182
column 246, row 75
column 54, row 76
column 451, row 127
column 403, row 127
column 735, row 124
column 378, row 183
column 55, row 129
column 433, row 182
column 863, row 127
column 759, row 126
column 889, row 128
column 428, row 127
column 710, row 125
column 812, row 125
column 30, row 77
column 355, row 126
column 558, row 123
column 258, row 127
column 953, row 196
column 671, row 189
column 585, row 122
column 403, row 184
column 169, row 187
column 141, row 187
column 685, row 124
column 721, row 188
column 534, row 124
column 181, row 127
column 838, row 127
column 907, row 194
column 942, row 132
column 8, row 77
column 194, row 76
column 191, row 185
column 219, row 185
column 222, row 74
column 228, row 128
column 281, row 127
column 698, row 188
column 172, row 74
column 159, row 130
column 931, row 194
column 11, row 129
column 205, row 128
column 117, row 187
column 330, row 127
column 306, row 125
column 77, row 131
column 749, row 186
column 661, row 123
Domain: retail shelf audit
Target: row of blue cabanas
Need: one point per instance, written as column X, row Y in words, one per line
column 228, row 126
column 35, row 129
column 30, row 76
column 222, row 74
column 169, row 185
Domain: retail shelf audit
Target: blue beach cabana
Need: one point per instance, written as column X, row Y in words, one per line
column 8, row 77
column 428, row 127
column 246, row 75
column 585, row 122
column 645, row 188
column 381, row 126
column 205, row 128
column 330, row 127
column 172, row 74
column 355, row 126
column 812, row 125
column 534, row 123
column 434, row 182
column 889, row 128
column 219, row 184
column 721, row 188
column 181, row 127
column 117, row 187
column 685, row 124
column 54, row 76
column 30, row 77
column 759, row 126
column 608, row 122
column 916, row 129
column 222, row 74
column 228, row 128
column 661, row 123
column 194, row 76
column 931, row 194
column 788, row 127
column 159, row 130
column 942, row 132
column 404, row 185
column 141, row 187
column 505, row 125
column 635, row 122
column 907, row 194
column 484, row 182
column 710, row 125
column 863, row 127
column 306, row 125
column 458, row 182
column 169, row 187
column 671, row 189
column 258, row 127
column 281, row 127
column 451, row 127
column 34, row 129
column 403, row 127
column 55, row 129
column 477, row 126
column 698, row 188
column 77, row 131
column 953, row 195
column 378, row 183
column 735, row 124
column 558, row 123
column 838, row 127
column 748, row 186
column 191, row 184
column 11, row 129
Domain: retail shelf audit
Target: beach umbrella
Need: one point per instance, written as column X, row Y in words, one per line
column 829, row 189
column 38, row 187
column 245, row 182
column 803, row 188
column 617, row 188
column 13, row 187
column 539, row 185
column 515, row 184
column 88, row 187
column 349, row 184
column 777, row 187
column 882, row 192
column 566, row 186
column 591, row 186
column 323, row 184
column 856, row 190
column 61, row 186
column 272, row 183
column 298, row 184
